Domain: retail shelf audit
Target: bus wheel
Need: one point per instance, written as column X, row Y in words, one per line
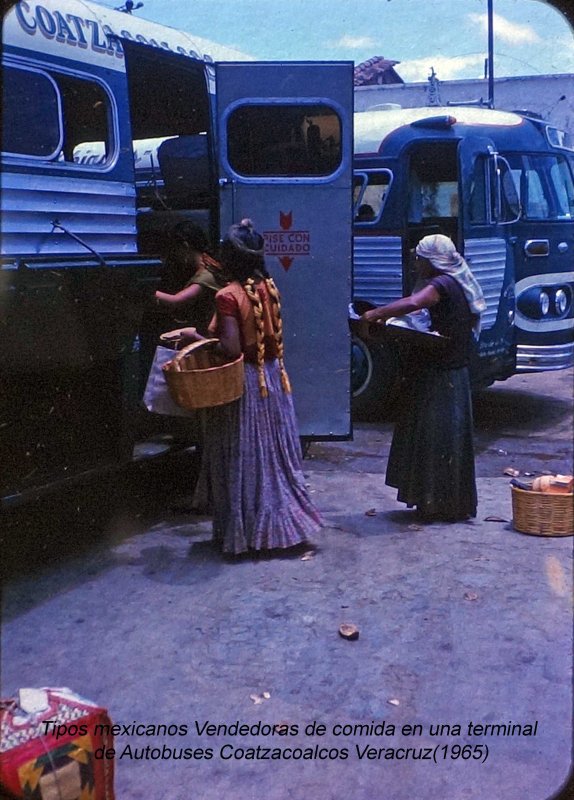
column 373, row 376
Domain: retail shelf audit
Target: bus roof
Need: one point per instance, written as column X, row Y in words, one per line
column 76, row 30
column 372, row 127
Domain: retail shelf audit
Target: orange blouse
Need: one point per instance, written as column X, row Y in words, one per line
column 233, row 301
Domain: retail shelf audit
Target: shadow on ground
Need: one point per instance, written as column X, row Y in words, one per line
column 80, row 521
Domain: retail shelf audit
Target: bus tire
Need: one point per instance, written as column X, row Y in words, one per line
column 374, row 375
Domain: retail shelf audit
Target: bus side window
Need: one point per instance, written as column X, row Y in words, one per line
column 284, row 139
column 75, row 114
column 536, row 203
column 85, row 114
column 370, row 201
column 562, row 182
column 28, row 95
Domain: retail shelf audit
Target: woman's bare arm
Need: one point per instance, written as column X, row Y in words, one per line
column 229, row 341
column 425, row 298
column 186, row 296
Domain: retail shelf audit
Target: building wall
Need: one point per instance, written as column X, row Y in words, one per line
column 551, row 96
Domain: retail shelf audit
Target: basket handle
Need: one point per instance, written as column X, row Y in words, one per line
column 171, row 336
column 194, row 346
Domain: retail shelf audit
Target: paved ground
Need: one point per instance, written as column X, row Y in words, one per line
column 459, row 624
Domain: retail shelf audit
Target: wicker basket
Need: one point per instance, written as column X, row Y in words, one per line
column 541, row 513
column 197, row 377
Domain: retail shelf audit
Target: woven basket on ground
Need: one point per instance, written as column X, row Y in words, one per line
column 198, row 377
column 541, row 513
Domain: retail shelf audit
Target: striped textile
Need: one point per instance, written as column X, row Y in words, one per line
column 252, row 459
column 444, row 257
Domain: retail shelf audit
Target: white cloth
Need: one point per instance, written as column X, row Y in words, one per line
column 156, row 396
column 444, row 257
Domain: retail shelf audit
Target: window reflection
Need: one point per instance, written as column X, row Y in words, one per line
column 284, row 140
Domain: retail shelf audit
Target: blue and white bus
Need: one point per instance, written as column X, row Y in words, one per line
column 501, row 186
column 114, row 129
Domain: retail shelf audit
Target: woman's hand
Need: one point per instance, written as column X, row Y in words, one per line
column 425, row 298
column 366, row 320
column 188, row 335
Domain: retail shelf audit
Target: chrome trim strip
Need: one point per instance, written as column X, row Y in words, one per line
column 548, row 279
column 533, row 358
column 544, row 325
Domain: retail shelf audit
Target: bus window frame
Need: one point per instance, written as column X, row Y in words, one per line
column 279, row 179
column 51, row 72
column 496, row 191
column 550, row 193
column 356, row 204
column 24, row 67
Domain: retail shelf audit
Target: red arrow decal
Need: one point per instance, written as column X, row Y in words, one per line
column 285, row 262
column 286, row 220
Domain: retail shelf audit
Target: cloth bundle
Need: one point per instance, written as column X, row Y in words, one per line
column 157, row 397
column 49, row 740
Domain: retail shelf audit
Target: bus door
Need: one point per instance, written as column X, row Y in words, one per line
column 431, row 202
column 487, row 203
column 285, row 161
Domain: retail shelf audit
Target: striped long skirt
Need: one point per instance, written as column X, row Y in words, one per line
column 431, row 461
column 252, row 463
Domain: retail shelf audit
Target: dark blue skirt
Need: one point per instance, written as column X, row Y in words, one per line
column 431, row 461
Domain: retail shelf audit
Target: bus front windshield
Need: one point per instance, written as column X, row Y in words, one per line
column 545, row 185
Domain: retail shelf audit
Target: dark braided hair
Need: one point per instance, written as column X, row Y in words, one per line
column 242, row 255
column 242, row 252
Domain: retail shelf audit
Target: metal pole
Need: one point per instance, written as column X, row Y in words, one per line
column 490, row 55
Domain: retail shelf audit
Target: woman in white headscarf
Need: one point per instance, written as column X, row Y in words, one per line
column 431, row 461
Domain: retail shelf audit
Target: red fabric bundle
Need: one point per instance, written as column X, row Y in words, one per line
column 51, row 744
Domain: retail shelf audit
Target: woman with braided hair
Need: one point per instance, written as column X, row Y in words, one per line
column 252, row 455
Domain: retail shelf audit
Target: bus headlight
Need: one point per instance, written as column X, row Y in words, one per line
column 545, row 302
column 560, row 302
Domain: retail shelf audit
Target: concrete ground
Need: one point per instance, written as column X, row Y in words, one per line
column 462, row 623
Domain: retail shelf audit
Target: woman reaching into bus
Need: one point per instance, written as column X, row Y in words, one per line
column 190, row 279
column 431, row 461
column 252, row 449
column 190, row 265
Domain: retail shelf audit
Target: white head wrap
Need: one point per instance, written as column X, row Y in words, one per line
column 443, row 255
